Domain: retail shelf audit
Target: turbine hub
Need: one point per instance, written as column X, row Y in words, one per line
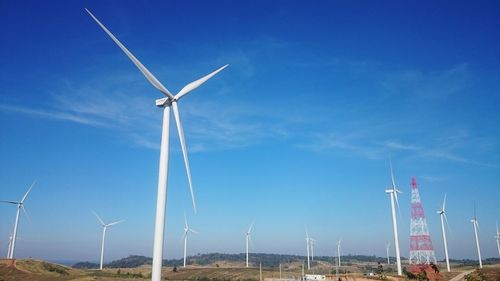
column 166, row 101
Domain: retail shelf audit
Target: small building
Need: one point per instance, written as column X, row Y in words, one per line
column 314, row 277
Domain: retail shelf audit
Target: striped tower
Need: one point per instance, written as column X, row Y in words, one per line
column 421, row 250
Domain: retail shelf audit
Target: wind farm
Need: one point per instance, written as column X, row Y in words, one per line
column 309, row 113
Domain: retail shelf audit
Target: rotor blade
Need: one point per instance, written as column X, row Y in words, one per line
column 184, row 150
column 186, row 221
column 116, row 222
column 444, row 202
column 103, row 224
column 195, row 84
column 194, row 231
column 11, row 202
column 392, row 176
column 27, row 192
column 26, row 213
column 397, row 201
column 446, row 221
column 151, row 78
column 250, row 228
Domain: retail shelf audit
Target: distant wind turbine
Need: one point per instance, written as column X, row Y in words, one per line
column 313, row 241
column 497, row 237
column 169, row 101
column 475, row 225
column 187, row 229
column 104, row 227
column 308, row 243
column 9, row 245
column 248, row 239
column 387, row 246
column 442, row 215
column 394, row 196
column 20, row 205
column 338, row 258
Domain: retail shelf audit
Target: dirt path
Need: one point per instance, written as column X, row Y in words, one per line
column 460, row 276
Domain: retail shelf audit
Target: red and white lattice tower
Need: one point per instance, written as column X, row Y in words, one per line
column 421, row 250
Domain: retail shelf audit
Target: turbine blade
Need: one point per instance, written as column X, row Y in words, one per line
column 194, row 231
column 444, row 202
column 102, row 223
column 27, row 192
column 116, row 222
column 250, row 228
column 195, row 84
column 392, row 176
column 10, row 202
column 184, row 150
column 186, row 221
column 149, row 76
column 446, row 221
column 26, row 213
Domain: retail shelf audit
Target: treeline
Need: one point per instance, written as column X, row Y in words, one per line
column 267, row 260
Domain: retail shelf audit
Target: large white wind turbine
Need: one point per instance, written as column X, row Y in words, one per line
column 169, row 101
column 442, row 215
column 187, row 229
column 248, row 239
column 308, row 244
column 475, row 225
column 19, row 205
column 394, row 196
column 104, row 227
column 497, row 237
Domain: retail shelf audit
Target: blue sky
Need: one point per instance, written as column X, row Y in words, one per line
column 297, row 132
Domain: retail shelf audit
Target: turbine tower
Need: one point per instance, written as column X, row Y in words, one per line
column 442, row 215
column 167, row 102
column 104, row 227
column 248, row 239
column 421, row 250
column 497, row 237
column 475, row 225
column 308, row 243
column 393, row 192
column 187, row 229
column 387, row 246
column 19, row 205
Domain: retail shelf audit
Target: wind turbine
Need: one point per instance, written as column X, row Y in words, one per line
column 9, row 245
column 387, row 246
column 497, row 237
column 442, row 215
column 475, row 224
column 104, row 227
column 307, row 246
column 169, row 101
column 313, row 241
column 394, row 196
column 20, row 205
column 248, row 239
column 187, row 229
column 338, row 258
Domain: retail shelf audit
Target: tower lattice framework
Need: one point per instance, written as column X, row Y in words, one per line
column 421, row 250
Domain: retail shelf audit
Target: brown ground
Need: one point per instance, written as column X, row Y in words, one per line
column 33, row 270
